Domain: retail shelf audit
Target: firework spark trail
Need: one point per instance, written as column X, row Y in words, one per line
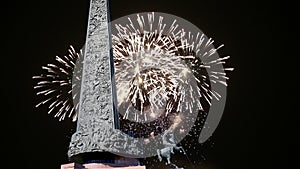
column 204, row 54
column 55, row 86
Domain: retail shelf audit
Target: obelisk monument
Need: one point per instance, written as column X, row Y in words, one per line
column 97, row 117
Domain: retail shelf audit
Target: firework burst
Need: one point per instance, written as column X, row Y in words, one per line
column 155, row 65
column 148, row 73
column 55, row 87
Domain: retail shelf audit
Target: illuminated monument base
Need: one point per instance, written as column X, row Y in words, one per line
column 111, row 161
column 99, row 166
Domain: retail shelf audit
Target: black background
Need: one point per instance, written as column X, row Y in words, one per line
column 34, row 32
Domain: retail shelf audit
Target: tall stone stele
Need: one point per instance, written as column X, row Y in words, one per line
column 97, row 123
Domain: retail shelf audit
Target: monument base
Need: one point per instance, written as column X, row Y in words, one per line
column 99, row 166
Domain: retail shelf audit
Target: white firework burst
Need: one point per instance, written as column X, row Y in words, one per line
column 54, row 85
column 154, row 67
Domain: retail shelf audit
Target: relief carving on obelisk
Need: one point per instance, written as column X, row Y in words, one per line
column 96, row 120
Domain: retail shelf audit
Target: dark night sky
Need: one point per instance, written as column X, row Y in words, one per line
column 36, row 31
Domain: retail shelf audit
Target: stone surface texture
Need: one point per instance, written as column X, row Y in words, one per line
column 96, row 118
